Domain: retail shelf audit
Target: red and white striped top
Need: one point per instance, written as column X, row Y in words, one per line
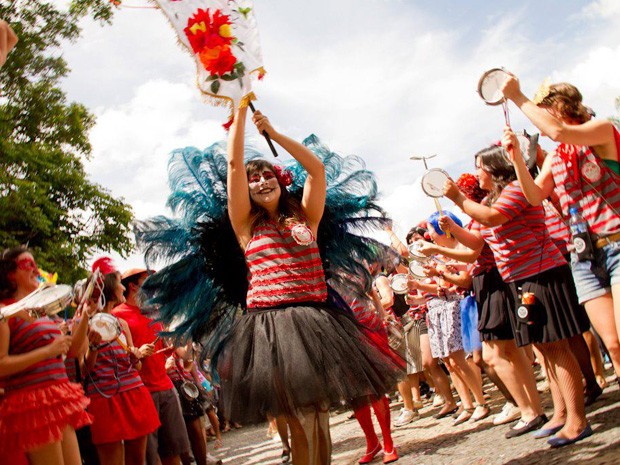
column 27, row 336
column 522, row 246
column 578, row 173
column 281, row 270
column 558, row 230
column 113, row 372
column 485, row 261
column 178, row 373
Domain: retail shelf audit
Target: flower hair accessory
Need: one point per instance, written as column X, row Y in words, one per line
column 543, row 91
column 283, row 175
column 105, row 265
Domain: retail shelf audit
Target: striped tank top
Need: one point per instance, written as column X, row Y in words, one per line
column 27, row 336
column 284, row 267
column 113, row 372
column 583, row 179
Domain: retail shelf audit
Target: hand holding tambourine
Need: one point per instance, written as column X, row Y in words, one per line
column 451, row 190
column 446, row 223
column 59, row 346
column 511, row 89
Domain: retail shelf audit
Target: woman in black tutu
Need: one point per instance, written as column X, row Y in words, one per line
column 292, row 354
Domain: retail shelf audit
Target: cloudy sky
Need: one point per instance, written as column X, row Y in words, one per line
column 382, row 79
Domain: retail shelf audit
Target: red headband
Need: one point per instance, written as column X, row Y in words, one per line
column 105, row 265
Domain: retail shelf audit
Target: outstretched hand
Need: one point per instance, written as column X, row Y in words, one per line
column 511, row 88
column 451, row 190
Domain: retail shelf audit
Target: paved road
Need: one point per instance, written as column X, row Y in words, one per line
column 436, row 442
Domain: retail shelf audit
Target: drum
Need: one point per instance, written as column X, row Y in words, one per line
column 433, row 182
column 189, row 390
column 107, row 325
column 46, row 300
column 398, row 283
column 490, row 89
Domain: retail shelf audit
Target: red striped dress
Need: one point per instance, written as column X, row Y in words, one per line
column 123, row 408
column 583, row 179
column 281, row 270
column 40, row 402
column 522, row 246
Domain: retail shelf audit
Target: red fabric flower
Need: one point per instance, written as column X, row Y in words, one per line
column 206, row 30
column 468, row 184
column 218, row 60
column 284, row 176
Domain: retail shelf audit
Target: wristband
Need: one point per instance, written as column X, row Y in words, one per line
column 93, row 348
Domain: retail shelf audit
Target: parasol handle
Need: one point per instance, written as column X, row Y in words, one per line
column 267, row 138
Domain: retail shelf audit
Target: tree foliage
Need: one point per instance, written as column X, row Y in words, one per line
column 46, row 200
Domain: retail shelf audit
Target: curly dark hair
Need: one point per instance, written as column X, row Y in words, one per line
column 494, row 161
column 289, row 206
column 8, row 265
column 566, row 99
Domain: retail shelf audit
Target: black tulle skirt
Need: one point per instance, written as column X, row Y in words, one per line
column 281, row 359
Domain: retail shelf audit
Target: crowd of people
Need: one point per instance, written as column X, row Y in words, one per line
column 520, row 284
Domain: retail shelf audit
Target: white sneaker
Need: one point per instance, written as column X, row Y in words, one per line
column 509, row 413
column 406, row 417
column 438, row 400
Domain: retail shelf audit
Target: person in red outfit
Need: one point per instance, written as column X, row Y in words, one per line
column 123, row 409
column 169, row 441
column 41, row 408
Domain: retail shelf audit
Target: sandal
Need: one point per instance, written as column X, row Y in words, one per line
column 444, row 413
column 464, row 416
column 481, row 412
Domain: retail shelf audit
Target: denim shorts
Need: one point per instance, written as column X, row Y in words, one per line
column 594, row 278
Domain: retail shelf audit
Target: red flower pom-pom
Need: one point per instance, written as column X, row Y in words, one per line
column 468, row 184
column 284, row 176
column 105, row 265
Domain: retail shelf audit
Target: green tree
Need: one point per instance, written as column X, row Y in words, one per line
column 46, row 200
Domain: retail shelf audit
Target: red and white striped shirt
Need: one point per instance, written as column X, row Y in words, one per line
column 583, row 179
column 558, row 230
column 485, row 261
column 27, row 336
column 282, row 271
column 522, row 246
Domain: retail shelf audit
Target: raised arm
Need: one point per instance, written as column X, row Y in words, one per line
column 464, row 254
column 313, row 200
column 237, row 184
column 395, row 242
column 536, row 191
column 591, row 133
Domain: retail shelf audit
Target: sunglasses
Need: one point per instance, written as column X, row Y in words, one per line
column 27, row 264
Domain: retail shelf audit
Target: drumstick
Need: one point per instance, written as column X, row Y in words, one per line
column 164, row 349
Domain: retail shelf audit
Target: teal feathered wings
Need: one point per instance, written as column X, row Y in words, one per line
column 203, row 285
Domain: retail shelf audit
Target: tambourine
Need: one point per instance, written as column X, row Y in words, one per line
column 434, row 181
column 416, row 269
column 46, row 300
column 490, row 89
column 189, row 390
column 398, row 283
column 414, row 252
column 106, row 325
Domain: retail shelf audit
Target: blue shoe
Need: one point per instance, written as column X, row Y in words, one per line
column 544, row 433
column 561, row 442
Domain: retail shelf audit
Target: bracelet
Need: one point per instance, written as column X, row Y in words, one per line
column 93, row 348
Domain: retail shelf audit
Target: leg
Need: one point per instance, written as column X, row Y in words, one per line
column 601, row 313
column 199, row 447
column 579, row 348
column 111, row 453
column 566, row 370
column 70, row 447
column 404, row 388
column 310, row 439
column 49, row 454
column 362, row 414
column 414, row 382
column 282, row 429
column 135, row 451
column 492, row 375
column 382, row 412
column 515, row 371
column 439, row 378
column 596, row 358
column 464, row 370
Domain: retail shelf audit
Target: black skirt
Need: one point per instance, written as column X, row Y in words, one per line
column 495, row 305
column 281, row 359
column 557, row 314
